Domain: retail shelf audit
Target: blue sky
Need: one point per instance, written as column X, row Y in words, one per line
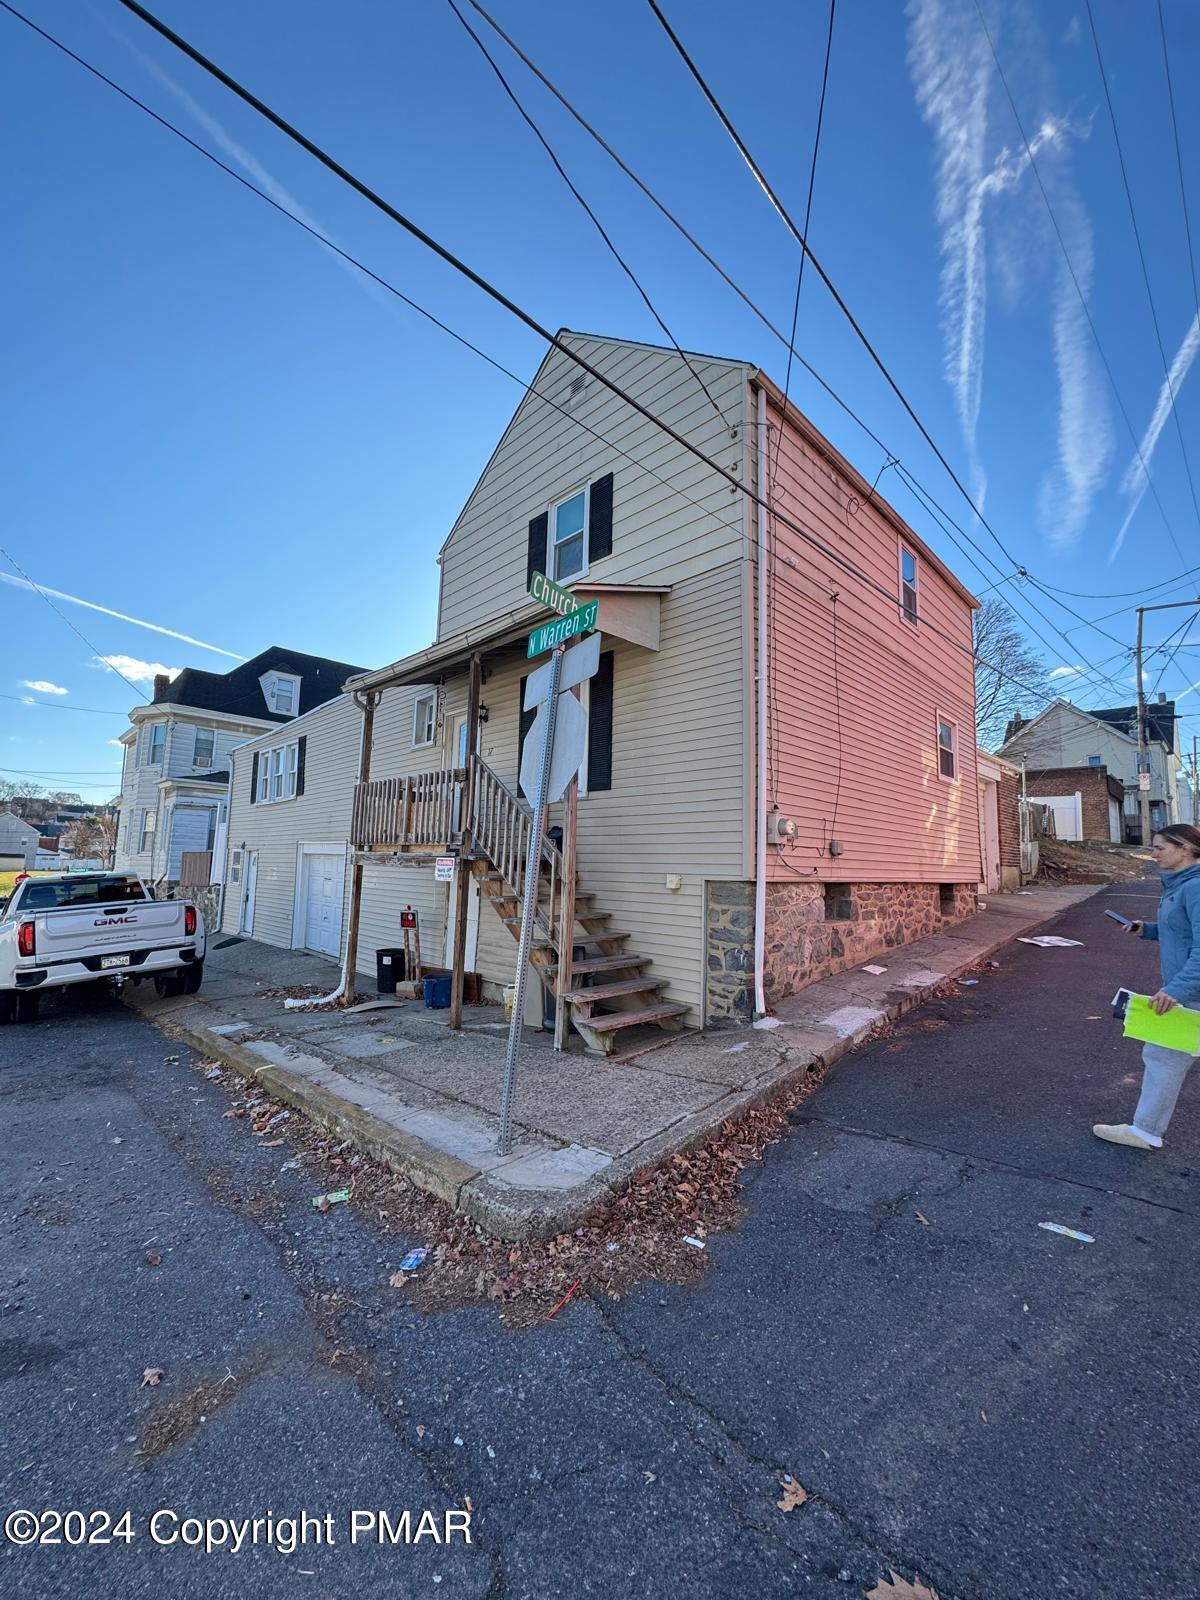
column 216, row 427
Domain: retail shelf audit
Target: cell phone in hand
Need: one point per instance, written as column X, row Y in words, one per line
column 1117, row 917
column 1120, row 1004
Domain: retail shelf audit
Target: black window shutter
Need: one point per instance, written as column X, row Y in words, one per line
column 301, row 753
column 536, row 560
column 600, row 518
column 526, row 722
column 600, row 726
column 254, row 780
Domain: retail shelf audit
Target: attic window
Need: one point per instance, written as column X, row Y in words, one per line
column 282, row 693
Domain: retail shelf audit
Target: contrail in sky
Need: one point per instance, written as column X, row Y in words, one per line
column 74, row 600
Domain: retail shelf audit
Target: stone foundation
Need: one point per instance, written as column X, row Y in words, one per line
column 816, row 929
column 729, row 952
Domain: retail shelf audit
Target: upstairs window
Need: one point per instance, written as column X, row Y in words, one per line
column 158, row 744
column 149, row 822
column 278, row 774
column 1093, row 761
column 424, row 719
column 568, row 537
column 281, row 690
column 908, row 584
column 206, row 739
column 947, row 738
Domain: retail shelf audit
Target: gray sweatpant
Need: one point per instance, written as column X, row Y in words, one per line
column 1162, row 1078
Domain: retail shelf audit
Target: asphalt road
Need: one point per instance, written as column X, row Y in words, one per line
column 1008, row 1413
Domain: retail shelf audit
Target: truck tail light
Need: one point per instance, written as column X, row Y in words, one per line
column 26, row 939
column 189, row 920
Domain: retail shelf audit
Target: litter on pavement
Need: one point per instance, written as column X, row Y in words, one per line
column 1067, row 1233
column 1048, row 940
column 875, row 970
column 968, row 983
column 213, row 1072
column 335, row 1197
column 414, row 1258
column 696, row 1244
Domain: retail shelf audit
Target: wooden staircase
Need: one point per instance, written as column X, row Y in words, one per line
column 609, row 991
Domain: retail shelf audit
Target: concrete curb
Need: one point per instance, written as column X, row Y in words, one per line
column 507, row 1212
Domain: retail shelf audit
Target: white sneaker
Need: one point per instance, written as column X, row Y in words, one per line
column 1125, row 1133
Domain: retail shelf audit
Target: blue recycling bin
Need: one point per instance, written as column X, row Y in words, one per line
column 437, row 991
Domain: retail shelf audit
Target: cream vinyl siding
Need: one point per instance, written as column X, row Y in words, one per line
column 863, row 736
column 658, row 536
column 1065, row 738
column 321, row 814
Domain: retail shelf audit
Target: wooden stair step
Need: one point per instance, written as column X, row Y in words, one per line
column 580, row 938
column 613, row 991
column 604, row 964
column 611, row 1021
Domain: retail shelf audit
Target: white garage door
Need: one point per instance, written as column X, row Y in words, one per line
column 322, row 905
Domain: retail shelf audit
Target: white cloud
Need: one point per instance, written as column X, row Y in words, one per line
column 107, row 611
column 118, row 743
column 135, row 670
column 1136, row 480
column 1065, row 672
column 43, row 686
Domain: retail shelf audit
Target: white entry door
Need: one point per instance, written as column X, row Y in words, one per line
column 249, row 886
column 323, row 876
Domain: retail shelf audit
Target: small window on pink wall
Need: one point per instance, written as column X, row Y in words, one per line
column 947, row 749
column 908, row 584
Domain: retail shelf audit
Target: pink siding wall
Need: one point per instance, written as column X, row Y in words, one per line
column 863, row 737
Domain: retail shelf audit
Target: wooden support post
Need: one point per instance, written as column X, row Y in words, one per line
column 463, row 877
column 367, row 707
column 566, row 925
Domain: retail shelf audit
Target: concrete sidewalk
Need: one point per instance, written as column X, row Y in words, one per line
column 424, row 1099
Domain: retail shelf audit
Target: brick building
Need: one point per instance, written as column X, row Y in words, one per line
column 1086, row 801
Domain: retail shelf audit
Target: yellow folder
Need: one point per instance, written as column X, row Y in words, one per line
column 1177, row 1029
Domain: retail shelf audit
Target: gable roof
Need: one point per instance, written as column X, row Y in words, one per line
column 239, row 692
column 1023, row 724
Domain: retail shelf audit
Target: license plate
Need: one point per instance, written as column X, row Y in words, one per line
column 113, row 961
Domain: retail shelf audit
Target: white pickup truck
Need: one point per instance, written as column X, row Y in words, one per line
column 93, row 927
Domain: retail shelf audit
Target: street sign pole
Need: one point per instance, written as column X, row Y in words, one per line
column 533, row 864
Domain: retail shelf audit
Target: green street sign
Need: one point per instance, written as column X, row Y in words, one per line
column 563, row 628
column 547, row 593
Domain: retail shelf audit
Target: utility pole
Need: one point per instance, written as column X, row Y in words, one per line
column 1143, row 758
column 1195, row 785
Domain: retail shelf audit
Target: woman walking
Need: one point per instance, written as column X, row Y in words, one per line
column 1177, row 854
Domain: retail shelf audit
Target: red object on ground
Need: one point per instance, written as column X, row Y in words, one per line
column 565, row 1298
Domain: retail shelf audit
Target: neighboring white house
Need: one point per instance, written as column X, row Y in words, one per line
column 18, row 843
column 1064, row 735
column 174, row 782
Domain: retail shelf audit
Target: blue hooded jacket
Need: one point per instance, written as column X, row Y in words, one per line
column 1178, row 933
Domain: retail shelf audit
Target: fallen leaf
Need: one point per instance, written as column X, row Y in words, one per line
column 894, row 1587
column 983, row 1414
column 793, row 1495
column 398, row 1280
column 271, row 1144
column 924, row 1221
column 650, row 1477
column 151, row 1378
column 153, row 1258
column 421, row 1430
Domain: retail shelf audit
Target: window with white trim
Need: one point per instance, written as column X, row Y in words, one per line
column 282, row 692
column 277, row 773
column 947, row 740
column 908, row 584
column 149, row 823
column 206, row 739
column 567, row 555
column 158, row 744
column 424, row 719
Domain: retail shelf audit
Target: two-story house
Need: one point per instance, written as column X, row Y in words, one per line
column 1062, row 747
column 175, row 775
column 758, row 674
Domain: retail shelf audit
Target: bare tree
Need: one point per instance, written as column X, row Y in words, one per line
column 11, row 792
column 1010, row 678
column 92, row 836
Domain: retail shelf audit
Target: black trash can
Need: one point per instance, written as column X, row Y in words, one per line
column 389, row 970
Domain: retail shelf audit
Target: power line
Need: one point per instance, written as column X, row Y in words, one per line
column 20, row 571
column 789, row 345
column 1137, row 234
column 599, row 226
column 1074, row 276
column 55, row 705
column 1187, row 220
column 494, row 293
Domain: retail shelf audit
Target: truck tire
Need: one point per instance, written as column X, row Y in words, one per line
column 27, row 1006
column 169, row 984
column 193, row 977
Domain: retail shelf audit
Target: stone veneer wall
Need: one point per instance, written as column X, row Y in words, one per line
column 729, row 923
column 803, row 946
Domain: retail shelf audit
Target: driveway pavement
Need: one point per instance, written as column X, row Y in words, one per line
column 964, row 1396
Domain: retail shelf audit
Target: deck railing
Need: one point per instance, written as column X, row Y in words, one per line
column 420, row 812
column 500, row 829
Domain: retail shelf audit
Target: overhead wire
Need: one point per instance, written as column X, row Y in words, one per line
column 56, row 705
column 1074, row 276
column 731, row 283
column 550, row 338
column 1187, row 218
column 1141, row 250
column 599, row 226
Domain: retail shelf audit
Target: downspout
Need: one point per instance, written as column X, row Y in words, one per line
column 760, row 741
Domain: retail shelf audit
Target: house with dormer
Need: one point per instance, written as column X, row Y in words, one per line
column 177, row 749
